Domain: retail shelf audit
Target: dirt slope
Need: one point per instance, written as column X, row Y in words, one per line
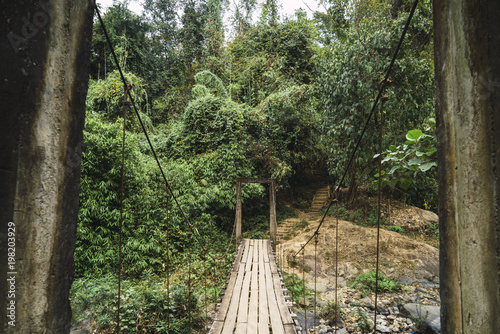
column 401, row 257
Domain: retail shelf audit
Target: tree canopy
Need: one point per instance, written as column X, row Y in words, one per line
column 276, row 97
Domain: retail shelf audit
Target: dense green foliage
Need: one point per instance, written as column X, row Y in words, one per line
column 283, row 96
column 352, row 69
column 146, row 307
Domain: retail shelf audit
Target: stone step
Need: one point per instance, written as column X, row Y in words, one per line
column 320, row 198
column 322, row 192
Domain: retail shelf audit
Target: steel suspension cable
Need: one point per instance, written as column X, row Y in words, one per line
column 377, row 99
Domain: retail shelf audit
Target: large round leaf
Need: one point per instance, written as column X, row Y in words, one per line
column 413, row 135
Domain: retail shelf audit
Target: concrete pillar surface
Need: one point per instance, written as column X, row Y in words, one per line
column 467, row 66
column 44, row 57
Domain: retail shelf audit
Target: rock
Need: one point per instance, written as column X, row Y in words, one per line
column 405, row 280
column 382, row 310
column 340, row 281
column 429, row 312
column 383, row 329
column 427, row 284
column 367, row 302
column 320, row 287
column 347, row 270
column 382, row 323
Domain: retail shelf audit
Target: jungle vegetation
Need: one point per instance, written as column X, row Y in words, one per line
column 264, row 96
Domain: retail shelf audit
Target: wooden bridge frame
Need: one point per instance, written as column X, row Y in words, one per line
column 272, row 205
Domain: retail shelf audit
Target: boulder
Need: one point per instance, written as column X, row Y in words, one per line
column 430, row 313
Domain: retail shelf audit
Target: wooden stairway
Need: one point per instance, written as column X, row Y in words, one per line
column 320, row 198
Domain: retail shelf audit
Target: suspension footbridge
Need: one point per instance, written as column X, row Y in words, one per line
column 254, row 301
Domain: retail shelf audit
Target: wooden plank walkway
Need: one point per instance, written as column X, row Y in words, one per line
column 253, row 302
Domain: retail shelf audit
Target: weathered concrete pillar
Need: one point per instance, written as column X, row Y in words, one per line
column 44, row 56
column 467, row 62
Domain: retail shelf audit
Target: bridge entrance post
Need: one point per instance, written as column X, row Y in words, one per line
column 467, row 65
column 238, row 211
column 272, row 206
column 272, row 215
column 45, row 55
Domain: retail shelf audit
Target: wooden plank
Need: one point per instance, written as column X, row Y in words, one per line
column 253, row 307
column 224, row 306
column 256, row 252
column 264, row 248
column 241, row 328
column 248, row 265
column 216, row 327
column 243, row 306
column 230, row 320
column 254, row 302
column 274, row 313
column 286, row 318
column 246, row 243
column 263, row 308
column 290, row 329
column 284, row 311
column 272, row 259
column 238, row 258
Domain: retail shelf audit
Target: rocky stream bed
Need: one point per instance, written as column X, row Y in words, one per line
column 411, row 261
column 413, row 310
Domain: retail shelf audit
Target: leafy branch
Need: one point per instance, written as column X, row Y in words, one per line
column 406, row 161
